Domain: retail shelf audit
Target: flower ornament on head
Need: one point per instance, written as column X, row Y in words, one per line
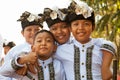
column 32, row 17
column 53, row 14
column 79, row 8
column 28, row 19
column 27, row 16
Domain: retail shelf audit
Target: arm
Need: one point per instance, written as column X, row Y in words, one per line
column 107, row 59
column 108, row 50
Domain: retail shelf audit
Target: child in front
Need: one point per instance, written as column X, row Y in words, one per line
column 85, row 58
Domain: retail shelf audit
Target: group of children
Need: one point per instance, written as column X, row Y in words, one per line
column 56, row 54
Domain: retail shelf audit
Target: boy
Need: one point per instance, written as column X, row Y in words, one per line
column 57, row 24
column 85, row 58
column 30, row 23
column 47, row 68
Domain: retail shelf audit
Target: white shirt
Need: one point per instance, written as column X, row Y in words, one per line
column 6, row 78
column 1, row 61
column 65, row 53
column 7, row 69
column 58, row 68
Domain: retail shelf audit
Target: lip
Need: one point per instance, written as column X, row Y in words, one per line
column 43, row 48
column 60, row 37
column 81, row 34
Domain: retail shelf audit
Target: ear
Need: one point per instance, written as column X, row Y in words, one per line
column 22, row 32
column 55, row 48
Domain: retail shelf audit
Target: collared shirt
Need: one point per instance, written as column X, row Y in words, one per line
column 7, row 69
column 58, row 68
column 65, row 53
column 6, row 78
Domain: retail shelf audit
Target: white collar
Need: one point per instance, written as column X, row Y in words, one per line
column 88, row 44
column 45, row 62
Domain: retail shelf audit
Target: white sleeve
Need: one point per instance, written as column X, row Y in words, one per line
column 109, row 46
column 105, row 45
column 8, row 71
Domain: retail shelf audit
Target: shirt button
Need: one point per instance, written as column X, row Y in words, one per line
column 44, row 66
column 82, row 76
column 82, row 50
column 82, row 63
column 83, row 45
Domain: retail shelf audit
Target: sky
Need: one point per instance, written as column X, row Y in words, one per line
column 11, row 10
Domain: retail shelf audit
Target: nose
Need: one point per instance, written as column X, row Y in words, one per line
column 80, row 26
column 33, row 31
column 59, row 30
column 43, row 43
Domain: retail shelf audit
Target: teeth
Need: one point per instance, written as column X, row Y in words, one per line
column 60, row 37
column 81, row 34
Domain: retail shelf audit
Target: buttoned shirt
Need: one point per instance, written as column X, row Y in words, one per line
column 65, row 53
column 7, row 69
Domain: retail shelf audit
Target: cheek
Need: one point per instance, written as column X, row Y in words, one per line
column 73, row 30
column 53, row 32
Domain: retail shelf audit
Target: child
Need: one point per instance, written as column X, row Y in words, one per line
column 7, row 45
column 30, row 24
column 85, row 58
column 57, row 24
column 43, row 48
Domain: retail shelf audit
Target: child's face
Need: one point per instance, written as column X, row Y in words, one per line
column 29, row 32
column 61, row 32
column 44, row 45
column 81, row 30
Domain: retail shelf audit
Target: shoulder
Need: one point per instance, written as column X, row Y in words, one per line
column 65, row 46
column 105, row 45
column 16, row 50
column 57, row 62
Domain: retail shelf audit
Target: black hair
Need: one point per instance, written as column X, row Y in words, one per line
column 44, row 30
column 10, row 44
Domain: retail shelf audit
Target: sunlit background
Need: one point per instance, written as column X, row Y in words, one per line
column 11, row 10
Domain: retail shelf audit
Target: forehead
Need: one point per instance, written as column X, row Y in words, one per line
column 59, row 24
column 33, row 26
column 44, row 35
column 82, row 21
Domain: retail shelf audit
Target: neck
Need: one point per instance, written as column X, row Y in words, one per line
column 43, row 57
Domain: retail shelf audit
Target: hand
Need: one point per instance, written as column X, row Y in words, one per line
column 31, row 68
column 31, row 57
column 22, row 71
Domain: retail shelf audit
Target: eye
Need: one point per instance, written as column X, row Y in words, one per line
column 29, row 30
column 87, row 24
column 64, row 26
column 53, row 28
column 49, row 40
column 75, row 24
column 37, row 30
column 39, row 40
